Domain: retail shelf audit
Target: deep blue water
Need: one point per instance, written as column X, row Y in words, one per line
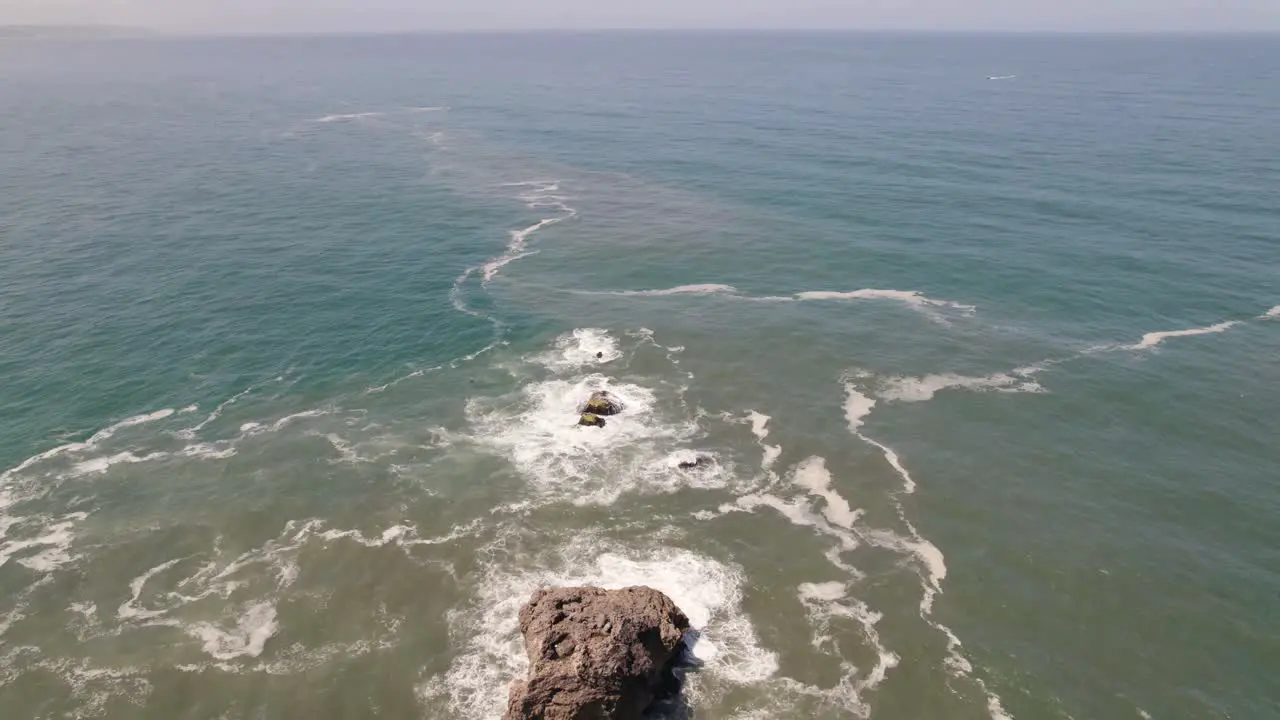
column 380, row 269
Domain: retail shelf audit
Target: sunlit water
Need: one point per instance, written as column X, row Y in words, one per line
column 978, row 337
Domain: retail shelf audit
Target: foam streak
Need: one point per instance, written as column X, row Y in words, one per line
column 911, row 298
column 79, row 447
column 542, row 195
column 1153, row 339
column 931, row 559
column 705, row 289
column 760, row 428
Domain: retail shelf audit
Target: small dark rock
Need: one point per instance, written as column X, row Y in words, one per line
column 591, row 420
column 698, row 462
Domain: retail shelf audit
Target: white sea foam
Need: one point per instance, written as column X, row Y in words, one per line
column 1149, row 341
column 240, row 632
column 8, row 495
column 516, row 248
column 825, row 592
column 1001, row 77
column 856, row 408
column 135, row 420
column 265, row 571
column 249, row 637
column 825, row 602
column 346, row 452
column 704, row 289
column 403, row 535
column 800, row 512
column 541, row 194
column 913, row 298
column 98, row 437
column 929, row 557
column 189, row 433
column 393, row 534
column 208, row 451
column 51, row 541
column 296, row 658
column 1018, row 380
column 920, row 389
column 346, row 117
column 287, row 419
column 97, row 465
column 1028, row 371
column 836, row 521
column 538, row 431
column 219, row 577
column 130, row 609
column 1153, row 339
column 579, row 349
column 87, row 610
column 995, row 707
column 760, row 428
column 709, row 592
column 423, row 371
column 812, row 474
column 703, row 462
column 100, row 465
column 222, row 449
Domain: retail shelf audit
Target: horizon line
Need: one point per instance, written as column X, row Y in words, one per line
column 179, row 32
column 704, row 30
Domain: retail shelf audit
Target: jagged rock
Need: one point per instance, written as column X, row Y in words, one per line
column 591, row 420
column 602, row 403
column 700, row 461
column 596, row 654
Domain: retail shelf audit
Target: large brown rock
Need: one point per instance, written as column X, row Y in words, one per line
column 596, row 654
column 602, row 403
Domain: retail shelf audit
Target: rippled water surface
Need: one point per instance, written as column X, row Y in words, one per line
column 977, row 337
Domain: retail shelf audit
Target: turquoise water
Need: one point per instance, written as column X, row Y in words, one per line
column 979, row 333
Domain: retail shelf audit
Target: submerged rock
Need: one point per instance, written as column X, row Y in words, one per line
column 602, row 403
column 591, row 420
column 700, row 461
column 596, row 654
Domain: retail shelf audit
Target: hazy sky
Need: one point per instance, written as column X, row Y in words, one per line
column 373, row 15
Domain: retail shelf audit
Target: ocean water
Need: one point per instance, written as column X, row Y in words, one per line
column 978, row 334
